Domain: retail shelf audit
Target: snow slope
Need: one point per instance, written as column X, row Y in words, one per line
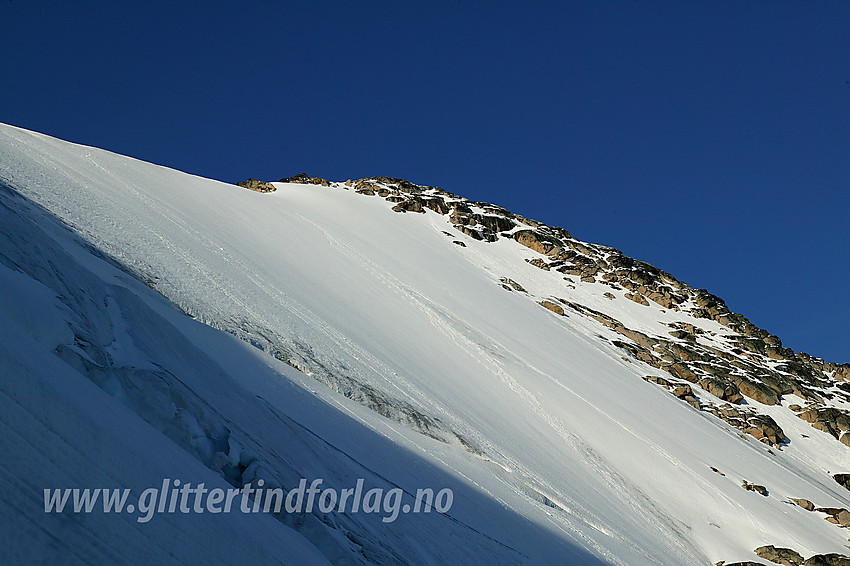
column 106, row 385
column 59, row 429
column 557, row 450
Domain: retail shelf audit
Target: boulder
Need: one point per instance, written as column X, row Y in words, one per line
column 256, row 185
column 436, row 204
column 299, row 178
column 804, row 503
column 828, row 419
column 661, row 299
column 537, row 242
column 764, row 427
column 755, row 487
column 554, row 307
column 681, row 352
column 834, row 559
column 639, row 337
column 784, row 556
column 721, row 389
column 409, row 205
column 638, row 298
column 658, row 380
column 571, row 270
column 394, row 182
column 756, row 391
column 305, row 179
column 682, row 335
column 843, row 480
column 516, row 286
column 681, row 371
column 476, row 234
column 842, row 371
column 682, row 391
column 494, row 223
column 581, row 248
column 537, row 262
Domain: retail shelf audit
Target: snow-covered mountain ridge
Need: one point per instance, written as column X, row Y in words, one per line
column 745, row 361
column 540, row 364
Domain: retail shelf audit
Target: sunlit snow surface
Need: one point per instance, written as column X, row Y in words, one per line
column 567, row 455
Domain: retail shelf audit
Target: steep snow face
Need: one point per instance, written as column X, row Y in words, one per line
column 58, row 429
column 538, row 412
column 106, row 385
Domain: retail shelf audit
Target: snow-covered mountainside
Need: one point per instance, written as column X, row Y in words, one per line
column 584, row 407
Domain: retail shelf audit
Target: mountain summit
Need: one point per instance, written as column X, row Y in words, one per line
column 582, row 406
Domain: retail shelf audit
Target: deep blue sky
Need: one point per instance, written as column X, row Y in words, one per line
column 711, row 139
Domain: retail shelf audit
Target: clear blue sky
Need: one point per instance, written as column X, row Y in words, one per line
column 711, row 139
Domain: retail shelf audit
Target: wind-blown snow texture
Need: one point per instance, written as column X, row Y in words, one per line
column 556, row 449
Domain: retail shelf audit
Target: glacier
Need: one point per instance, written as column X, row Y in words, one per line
column 159, row 324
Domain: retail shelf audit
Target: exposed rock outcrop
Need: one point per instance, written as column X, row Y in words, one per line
column 538, row 242
column 511, row 284
column 828, row 419
column 409, row 206
column 755, row 487
column 552, row 306
column 789, row 557
column 843, row 480
column 256, row 185
column 638, row 298
column 833, row 559
column 804, row 503
column 305, row 179
column 747, row 365
column 784, row 556
column 835, row 515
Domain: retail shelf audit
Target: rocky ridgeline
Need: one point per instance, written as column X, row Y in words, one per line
column 253, row 184
column 305, row 179
column 753, row 364
column 714, row 372
column 789, row 557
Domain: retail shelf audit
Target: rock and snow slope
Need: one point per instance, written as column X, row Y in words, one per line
column 425, row 358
